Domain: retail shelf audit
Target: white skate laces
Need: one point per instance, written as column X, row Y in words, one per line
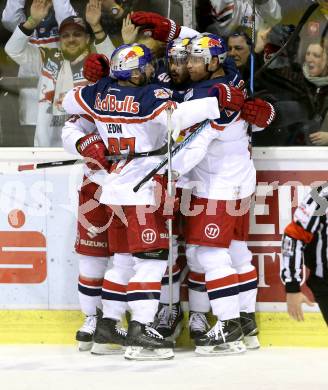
column 218, row 329
column 165, row 319
column 89, row 325
column 121, row 331
column 198, row 322
column 152, row 332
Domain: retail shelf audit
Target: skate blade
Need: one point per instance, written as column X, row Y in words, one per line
column 233, row 348
column 176, row 333
column 106, row 349
column 252, row 342
column 84, row 346
column 140, row 353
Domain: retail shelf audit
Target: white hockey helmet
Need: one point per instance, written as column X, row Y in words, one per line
column 206, row 46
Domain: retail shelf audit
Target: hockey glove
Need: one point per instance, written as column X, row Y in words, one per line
column 162, row 29
column 92, row 148
column 258, row 112
column 230, row 98
column 95, row 67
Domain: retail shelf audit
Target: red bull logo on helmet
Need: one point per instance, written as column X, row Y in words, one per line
column 207, row 42
column 134, row 52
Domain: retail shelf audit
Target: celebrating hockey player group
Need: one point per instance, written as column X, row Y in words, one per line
column 120, row 125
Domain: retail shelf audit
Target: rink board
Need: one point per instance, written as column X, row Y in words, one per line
column 38, row 266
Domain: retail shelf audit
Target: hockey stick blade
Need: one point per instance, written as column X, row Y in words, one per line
column 162, row 164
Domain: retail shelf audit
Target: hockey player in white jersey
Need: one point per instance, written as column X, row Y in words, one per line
column 132, row 120
column 218, row 161
column 91, row 243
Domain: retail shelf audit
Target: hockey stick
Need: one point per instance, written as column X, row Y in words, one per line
column 252, row 56
column 162, row 164
column 29, row 167
column 170, row 194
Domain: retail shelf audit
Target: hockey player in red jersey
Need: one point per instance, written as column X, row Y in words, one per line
column 130, row 117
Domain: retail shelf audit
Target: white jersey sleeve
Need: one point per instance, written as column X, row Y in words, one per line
column 75, row 128
column 191, row 155
column 23, row 53
column 13, row 14
column 191, row 112
column 63, row 9
column 70, row 104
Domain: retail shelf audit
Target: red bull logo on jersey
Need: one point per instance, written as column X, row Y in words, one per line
column 110, row 103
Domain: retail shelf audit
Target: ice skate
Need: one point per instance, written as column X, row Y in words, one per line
column 109, row 337
column 169, row 325
column 198, row 324
column 250, row 330
column 85, row 334
column 145, row 343
column 225, row 338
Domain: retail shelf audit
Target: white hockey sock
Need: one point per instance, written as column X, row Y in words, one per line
column 115, row 284
column 144, row 288
column 241, row 258
column 165, row 290
column 91, row 273
column 221, row 281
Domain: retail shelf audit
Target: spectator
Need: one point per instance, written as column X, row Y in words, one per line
column 59, row 69
column 239, row 48
column 45, row 35
column 315, row 71
column 224, row 16
column 283, row 84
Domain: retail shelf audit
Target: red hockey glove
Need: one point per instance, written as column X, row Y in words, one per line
column 258, row 112
column 92, row 148
column 162, row 29
column 95, row 67
column 230, row 98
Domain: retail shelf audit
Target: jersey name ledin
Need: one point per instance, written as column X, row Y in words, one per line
column 110, row 103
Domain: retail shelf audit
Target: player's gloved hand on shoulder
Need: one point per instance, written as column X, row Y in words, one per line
column 95, row 67
column 94, row 151
column 162, row 29
column 258, row 112
column 228, row 97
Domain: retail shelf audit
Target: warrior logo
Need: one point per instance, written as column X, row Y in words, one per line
column 148, row 236
column 212, row 231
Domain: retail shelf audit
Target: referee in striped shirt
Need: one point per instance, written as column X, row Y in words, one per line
column 305, row 241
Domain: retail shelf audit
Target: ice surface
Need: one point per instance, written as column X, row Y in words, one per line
column 63, row 367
